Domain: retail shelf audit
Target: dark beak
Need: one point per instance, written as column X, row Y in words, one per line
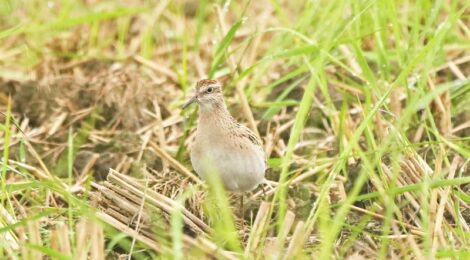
column 189, row 102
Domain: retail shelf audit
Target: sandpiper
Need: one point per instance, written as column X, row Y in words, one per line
column 222, row 145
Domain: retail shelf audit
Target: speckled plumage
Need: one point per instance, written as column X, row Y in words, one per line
column 222, row 145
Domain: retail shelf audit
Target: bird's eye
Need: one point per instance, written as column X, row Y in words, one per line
column 209, row 90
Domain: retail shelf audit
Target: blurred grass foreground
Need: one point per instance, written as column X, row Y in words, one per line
column 363, row 108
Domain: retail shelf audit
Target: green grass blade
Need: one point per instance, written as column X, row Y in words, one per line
column 221, row 50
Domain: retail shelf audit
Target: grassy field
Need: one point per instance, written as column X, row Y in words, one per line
column 363, row 108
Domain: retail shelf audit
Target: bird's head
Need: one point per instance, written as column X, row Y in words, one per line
column 208, row 94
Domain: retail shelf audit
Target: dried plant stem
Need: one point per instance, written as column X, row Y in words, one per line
column 177, row 165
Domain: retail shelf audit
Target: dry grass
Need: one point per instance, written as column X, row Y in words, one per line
column 364, row 116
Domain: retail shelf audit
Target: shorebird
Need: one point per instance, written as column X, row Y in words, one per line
column 222, row 145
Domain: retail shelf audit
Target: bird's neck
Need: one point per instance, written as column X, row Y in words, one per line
column 215, row 114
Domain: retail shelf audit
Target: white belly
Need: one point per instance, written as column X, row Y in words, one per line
column 239, row 168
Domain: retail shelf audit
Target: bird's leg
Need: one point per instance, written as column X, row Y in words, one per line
column 264, row 192
column 242, row 213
